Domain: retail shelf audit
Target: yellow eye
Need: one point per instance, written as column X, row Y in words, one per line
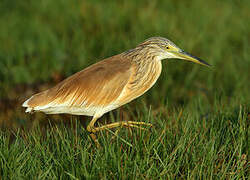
column 167, row 47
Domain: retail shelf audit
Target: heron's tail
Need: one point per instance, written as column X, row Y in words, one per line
column 36, row 102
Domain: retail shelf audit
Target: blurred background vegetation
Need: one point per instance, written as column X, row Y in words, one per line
column 42, row 42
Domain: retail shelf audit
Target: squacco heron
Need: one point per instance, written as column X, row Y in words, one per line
column 110, row 83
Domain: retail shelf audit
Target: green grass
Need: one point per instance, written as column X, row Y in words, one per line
column 178, row 146
column 200, row 115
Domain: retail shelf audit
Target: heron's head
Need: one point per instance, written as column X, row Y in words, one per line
column 163, row 48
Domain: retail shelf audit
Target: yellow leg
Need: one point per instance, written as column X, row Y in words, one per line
column 122, row 123
column 93, row 137
column 91, row 127
column 92, row 133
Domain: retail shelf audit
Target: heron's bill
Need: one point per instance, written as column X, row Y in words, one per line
column 186, row 56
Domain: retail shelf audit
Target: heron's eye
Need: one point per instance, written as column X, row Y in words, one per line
column 167, row 47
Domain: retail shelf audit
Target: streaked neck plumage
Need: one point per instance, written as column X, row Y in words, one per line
column 147, row 64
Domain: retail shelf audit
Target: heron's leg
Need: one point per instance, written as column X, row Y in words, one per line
column 91, row 129
column 134, row 124
column 91, row 126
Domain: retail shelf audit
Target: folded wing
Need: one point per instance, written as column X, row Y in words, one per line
column 98, row 85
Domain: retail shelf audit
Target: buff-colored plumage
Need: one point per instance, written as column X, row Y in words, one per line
column 89, row 88
column 110, row 83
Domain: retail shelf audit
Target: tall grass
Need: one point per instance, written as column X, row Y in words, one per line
column 182, row 145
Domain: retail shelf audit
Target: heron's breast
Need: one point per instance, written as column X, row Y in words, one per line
column 142, row 79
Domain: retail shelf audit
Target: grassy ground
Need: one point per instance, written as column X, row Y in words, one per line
column 200, row 115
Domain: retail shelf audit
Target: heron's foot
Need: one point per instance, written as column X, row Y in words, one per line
column 92, row 129
column 93, row 137
column 134, row 124
column 115, row 134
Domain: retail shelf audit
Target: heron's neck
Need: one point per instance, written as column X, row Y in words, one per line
column 141, row 55
column 147, row 67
